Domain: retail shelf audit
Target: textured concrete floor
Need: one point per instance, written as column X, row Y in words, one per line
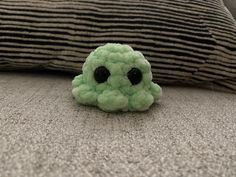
column 192, row 132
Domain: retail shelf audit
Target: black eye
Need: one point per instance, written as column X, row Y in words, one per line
column 135, row 76
column 101, row 74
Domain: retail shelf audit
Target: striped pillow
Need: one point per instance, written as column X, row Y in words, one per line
column 185, row 41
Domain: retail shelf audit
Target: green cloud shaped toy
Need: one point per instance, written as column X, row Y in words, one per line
column 116, row 78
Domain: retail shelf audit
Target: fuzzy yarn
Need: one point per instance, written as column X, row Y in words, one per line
column 116, row 78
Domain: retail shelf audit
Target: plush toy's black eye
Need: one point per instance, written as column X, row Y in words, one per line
column 101, row 74
column 135, row 76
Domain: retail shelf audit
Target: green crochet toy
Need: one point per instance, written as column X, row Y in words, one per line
column 116, row 78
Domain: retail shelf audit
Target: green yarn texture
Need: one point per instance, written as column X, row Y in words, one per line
column 116, row 93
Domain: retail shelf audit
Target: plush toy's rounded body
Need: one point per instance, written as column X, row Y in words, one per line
column 116, row 78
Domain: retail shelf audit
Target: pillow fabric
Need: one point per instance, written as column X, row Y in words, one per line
column 185, row 41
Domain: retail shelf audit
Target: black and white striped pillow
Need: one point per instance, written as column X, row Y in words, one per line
column 187, row 41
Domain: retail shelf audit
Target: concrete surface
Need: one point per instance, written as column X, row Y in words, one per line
column 43, row 132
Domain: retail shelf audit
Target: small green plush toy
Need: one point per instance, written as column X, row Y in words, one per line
column 116, row 78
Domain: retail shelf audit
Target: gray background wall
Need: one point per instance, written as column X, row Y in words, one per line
column 231, row 5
